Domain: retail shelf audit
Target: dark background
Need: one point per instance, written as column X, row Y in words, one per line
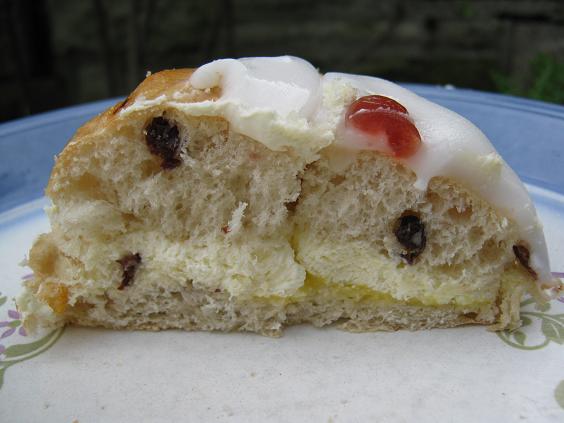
column 63, row 52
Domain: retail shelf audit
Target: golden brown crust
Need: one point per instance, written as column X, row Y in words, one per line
column 171, row 85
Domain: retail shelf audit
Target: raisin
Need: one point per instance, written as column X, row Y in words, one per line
column 129, row 264
column 163, row 140
column 292, row 205
column 410, row 233
column 523, row 256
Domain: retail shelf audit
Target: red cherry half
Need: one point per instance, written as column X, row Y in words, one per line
column 377, row 115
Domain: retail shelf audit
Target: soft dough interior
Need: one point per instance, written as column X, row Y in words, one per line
column 241, row 237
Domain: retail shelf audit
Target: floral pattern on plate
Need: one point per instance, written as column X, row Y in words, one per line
column 541, row 326
column 13, row 346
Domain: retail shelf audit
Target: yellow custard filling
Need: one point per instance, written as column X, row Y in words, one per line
column 318, row 288
column 360, row 269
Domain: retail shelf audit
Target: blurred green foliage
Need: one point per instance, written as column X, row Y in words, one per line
column 545, row 82
column 467, row 9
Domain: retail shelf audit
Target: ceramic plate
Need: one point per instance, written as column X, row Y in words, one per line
column 324, row 375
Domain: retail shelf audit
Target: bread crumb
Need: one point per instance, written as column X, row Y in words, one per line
column 236, row 221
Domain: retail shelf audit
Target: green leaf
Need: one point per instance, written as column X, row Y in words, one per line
column 527, row 302
column 526, row 321
column 519, row 337
column 554, row 331
column 2, row 370
column 23, row 349
column 14, row 323
column 3, row 300
column 559, row 394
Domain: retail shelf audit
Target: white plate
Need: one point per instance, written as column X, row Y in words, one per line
column 461, row 375
column 451, row 375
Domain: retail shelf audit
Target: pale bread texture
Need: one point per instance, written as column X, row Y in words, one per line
column 239, row 237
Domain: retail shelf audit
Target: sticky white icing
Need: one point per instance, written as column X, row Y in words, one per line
column 284, row 103
column 273, row 100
